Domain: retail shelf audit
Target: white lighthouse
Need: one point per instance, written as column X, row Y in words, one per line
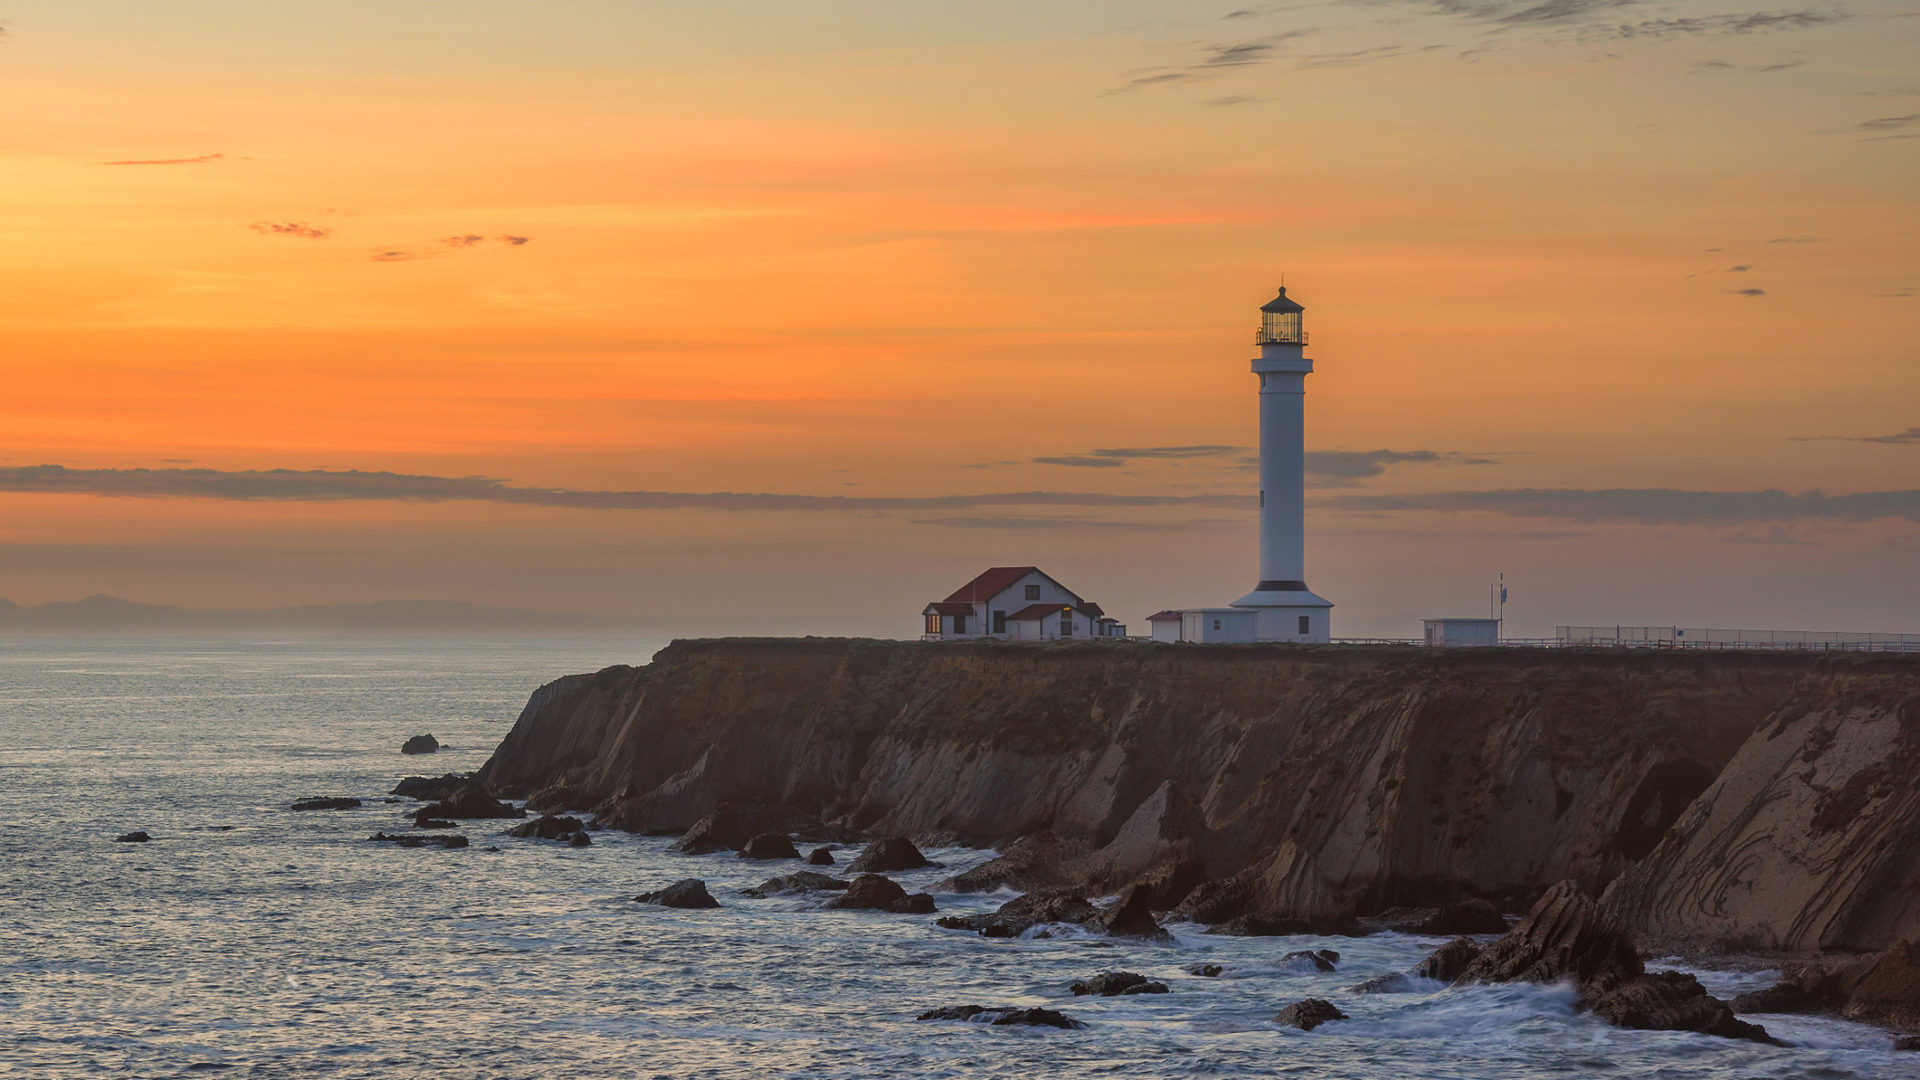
column 1283, row 607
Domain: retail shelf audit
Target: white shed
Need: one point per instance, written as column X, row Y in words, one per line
column 1452, row 633
column 1215, row 626
column 1165, row 626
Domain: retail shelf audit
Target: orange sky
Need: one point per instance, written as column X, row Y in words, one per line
column 906, row 250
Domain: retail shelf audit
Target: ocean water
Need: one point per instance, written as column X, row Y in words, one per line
column 248, row 940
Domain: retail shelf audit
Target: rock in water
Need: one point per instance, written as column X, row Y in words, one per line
column 1563, row 937
column 889, row 856
column 1129, row 916
column 819, row 857
column 138, row 836
column 1673, row 1001
column 1567, row 936
column 469, row 801
column 1023, row 913
column 718, row 831
column 326, row 802
column 430, row 788
column 872, row 892
column 549, row 827
column 769, row 846
column 1450, row 961
column 690, row 893
column 420, row 744
column 1471, row 916
column 1117, row 983
column 1889, row 991
column 1308, row 1014
column 802, row 882
column 1205, row 971
column 1003, row 1017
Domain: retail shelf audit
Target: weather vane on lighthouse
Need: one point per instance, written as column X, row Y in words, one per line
column 1285, row 609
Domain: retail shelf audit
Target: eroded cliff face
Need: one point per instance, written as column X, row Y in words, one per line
column 1302, row 783
column 1809, row 840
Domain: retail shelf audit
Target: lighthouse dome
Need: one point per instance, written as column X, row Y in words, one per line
column 1280, row 322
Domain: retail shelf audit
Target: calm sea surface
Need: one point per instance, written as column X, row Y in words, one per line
column 248, row 940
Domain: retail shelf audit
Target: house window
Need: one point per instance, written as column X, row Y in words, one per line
column 1033, row 592
column 1066, row 624
column 999, row 622
column 933, row 624
column 1306, row 627
column 1216, row 624
column 959, row 624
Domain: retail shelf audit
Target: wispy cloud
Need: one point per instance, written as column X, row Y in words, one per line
column 1081, row 462
column 1721, row 66
column 1748, row 292
column 1911, row 436
column 466, row 241
column 1343, row 468
column 291, row 228
column 1660, row 506
column 391, row 256
column 511, row 240
column 1795, row 240
column 201, row 160
column 1214, row 59
column 320, row 485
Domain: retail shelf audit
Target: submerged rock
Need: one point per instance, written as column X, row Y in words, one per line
column 138, row 836
column 718, row 831
column 690, row 893
column 915, row 904
column 1269, row 926
column 769, row 846
column 1320, row 960
column 579, row 839
column 888, row 856
column 1003, row 1017
column 549, row 827
column 1205, row 971
column 1308, row 1014
column 819, row 857
column 1394, row 982
column 326, row 802
column 420, row 744
column 1116, row 984
column 415, row 840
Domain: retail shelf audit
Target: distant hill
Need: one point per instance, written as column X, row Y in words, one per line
column 102, row 614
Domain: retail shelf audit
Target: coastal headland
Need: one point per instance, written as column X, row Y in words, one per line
column 1714, row 802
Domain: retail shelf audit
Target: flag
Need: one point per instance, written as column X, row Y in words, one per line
column 1503, row 594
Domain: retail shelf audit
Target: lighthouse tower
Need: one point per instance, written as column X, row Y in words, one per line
column 1284, row 608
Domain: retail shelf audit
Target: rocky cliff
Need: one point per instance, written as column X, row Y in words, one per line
column 1289, row 783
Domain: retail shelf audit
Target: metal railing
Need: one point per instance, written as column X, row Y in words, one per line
column 1694, row 637
column 1263, row 337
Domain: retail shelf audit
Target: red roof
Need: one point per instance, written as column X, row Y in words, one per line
column 1037, row 611
column 1164, row 616
column 995, row 581
column 948, row 607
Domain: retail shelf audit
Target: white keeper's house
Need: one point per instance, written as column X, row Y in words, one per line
column 1017, row 603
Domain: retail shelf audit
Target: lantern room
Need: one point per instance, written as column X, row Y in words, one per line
column 1280, row 322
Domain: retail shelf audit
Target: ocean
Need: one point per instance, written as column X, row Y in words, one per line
column 250, row 940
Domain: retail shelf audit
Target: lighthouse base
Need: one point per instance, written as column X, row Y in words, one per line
column 1288, row 611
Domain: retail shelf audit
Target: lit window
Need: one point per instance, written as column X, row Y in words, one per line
column 933, row 624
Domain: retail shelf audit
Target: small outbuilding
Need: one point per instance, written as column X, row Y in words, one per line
column 1454, row 633
column 1164, row 626
column 1219, row 626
